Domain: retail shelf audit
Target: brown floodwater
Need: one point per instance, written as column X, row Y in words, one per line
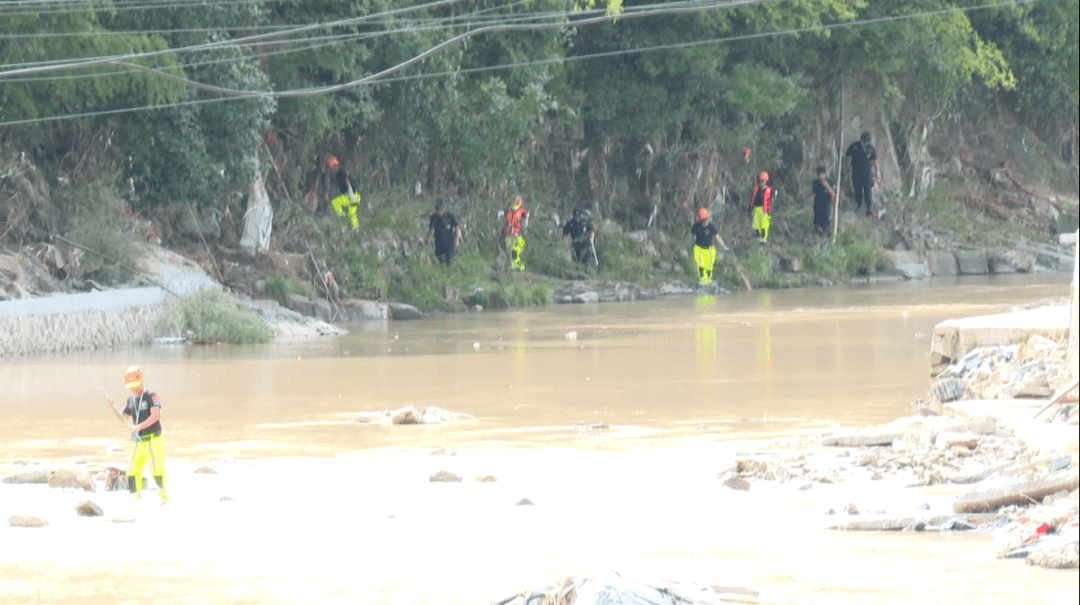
column 331, row 510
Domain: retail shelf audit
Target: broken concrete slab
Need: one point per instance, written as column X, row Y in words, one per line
column 953, row 338
column 1022, row 493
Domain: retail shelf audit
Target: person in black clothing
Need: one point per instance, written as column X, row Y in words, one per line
column 581, row 234
column 864, row 167
column 823, row 197
column 445, row 227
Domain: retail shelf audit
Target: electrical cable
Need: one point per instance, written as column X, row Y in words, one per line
column 727, row 39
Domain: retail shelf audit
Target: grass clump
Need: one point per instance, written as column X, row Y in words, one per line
column 210, row 317
column 280, row 287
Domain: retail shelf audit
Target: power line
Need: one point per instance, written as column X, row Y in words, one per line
column 727, row 39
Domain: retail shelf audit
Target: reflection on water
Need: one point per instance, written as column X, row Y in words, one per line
column 801, row 358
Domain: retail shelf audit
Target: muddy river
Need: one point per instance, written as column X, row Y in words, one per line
column 309, row 506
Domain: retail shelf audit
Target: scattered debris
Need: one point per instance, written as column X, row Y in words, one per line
column 444, row 477
column 86, row 508
column 17, row 521
column 412, row 414
column 610, row 588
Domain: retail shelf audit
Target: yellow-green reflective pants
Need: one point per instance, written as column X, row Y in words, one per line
column 761, row 223
column 514, row 245
column 705, row 259
column 343, row 203
column 146, row 448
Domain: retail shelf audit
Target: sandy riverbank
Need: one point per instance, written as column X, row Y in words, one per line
column 369, row 527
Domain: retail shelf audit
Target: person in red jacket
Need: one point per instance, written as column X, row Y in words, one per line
column 515, row 243
column 760, row 199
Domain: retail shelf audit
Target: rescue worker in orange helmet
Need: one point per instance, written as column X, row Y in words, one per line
column 348, row 200
column 760, row 204
column 705, row 233
column 143, row 408
column 515, row 242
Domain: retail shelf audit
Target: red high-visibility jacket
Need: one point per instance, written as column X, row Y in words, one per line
column 513, row 220
column 767, row 198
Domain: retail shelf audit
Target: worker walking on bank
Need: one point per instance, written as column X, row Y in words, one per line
column 144, row 409
column 582, row 237
column 445, row 227
column 862, row 159
column 348, row 200
column 760, row 203
column 823, row 196
column 705, row 233
column 515, row 242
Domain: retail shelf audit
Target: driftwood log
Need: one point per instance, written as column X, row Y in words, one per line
column 1021, row 493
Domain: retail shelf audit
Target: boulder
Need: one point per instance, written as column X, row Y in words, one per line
column 444, row 477
column 585, row 297
column 908, row 263
column 942, row 262
column 87, row 508
column 972, row 262
column 737, row 483
column 404, row 311
column 70, row 478
column 365, row 310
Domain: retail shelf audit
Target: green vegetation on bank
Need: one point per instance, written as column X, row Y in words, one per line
column 210, row 317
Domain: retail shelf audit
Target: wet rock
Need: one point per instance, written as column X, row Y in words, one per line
column 86, row 508
column 585, row 298
column 972, row 262
column 805, row 486
column 851, row 509
column 942, row 262
column 876, row 476
column 444, row 477
column 19, row 521
column 737, row 483
column 524, row 502
column 948, row 390
column 70, row 478
column 404, row 311
column 28, row 478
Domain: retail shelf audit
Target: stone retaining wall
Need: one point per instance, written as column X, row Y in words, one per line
column 80, row 321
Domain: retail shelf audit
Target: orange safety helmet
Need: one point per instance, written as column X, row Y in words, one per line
column 702, row 214
column 331, row 162
column 763, row 176
column 133, row 377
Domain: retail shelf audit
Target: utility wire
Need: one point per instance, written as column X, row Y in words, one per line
column 727, row 39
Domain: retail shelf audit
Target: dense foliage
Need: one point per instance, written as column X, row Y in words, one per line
column 611, row 105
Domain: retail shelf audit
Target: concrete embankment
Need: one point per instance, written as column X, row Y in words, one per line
column 80, row 321
column 90, row 320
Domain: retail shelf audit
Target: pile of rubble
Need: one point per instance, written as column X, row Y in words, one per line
column 1028, row 499
column 1034, row 369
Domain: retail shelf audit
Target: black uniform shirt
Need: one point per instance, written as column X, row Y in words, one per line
column 443, row 226
column 343, row 181
column 577, row 229
column 862, row 158
column 822, row 199
column 139, row 409
column 703, row 234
